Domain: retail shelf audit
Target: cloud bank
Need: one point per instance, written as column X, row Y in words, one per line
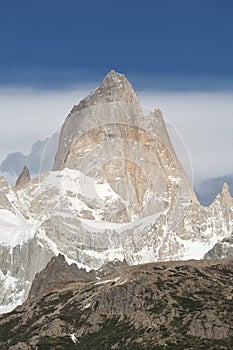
column 28, row 115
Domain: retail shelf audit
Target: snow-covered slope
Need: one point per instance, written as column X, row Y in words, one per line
column 56, row 216
column 118, row 192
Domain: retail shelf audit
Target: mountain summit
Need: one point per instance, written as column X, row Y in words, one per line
column 24, row 178
column 114, row 88
column 115, row 92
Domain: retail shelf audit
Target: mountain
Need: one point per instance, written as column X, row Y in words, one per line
column 38, row 161
column 117, row 192
column 172, row 305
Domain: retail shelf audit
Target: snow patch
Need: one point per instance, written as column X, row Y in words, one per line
column 14, row 229
column 194, row 249
column 106, row 281
column 87, row 306
column 73, row 337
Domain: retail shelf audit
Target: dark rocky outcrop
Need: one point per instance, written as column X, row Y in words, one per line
column 58, row 274
column 110, row 267
column 173, row 305
column 221, row 250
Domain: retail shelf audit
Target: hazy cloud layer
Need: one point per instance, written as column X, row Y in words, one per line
column 28, row 115
column 39, row 160
column 201, row 123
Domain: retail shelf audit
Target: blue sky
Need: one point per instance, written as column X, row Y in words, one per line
column 178, row 54
column 61, row 42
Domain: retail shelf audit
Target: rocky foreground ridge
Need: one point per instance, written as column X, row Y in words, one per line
column 117, row 191
column 170, row 305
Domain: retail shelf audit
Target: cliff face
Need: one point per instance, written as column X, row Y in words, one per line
column 175, row 305
column 117, row 191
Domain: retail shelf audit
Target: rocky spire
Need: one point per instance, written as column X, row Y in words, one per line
column 24, row 178
column 97, row 109
column 225, row 189
column 114, row 88
column 225, row 196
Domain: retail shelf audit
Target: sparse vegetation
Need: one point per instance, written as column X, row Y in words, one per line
column 149, row 309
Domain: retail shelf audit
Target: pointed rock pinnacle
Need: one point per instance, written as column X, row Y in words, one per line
column 114, row 88
column 23, row 179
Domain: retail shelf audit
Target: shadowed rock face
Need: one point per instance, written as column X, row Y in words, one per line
column 221, row 250
column 175, row 305
column 57, row 275
column 24, row 178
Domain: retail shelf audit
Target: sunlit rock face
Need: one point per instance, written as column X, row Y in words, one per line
column 117, row 191
column 108, row 138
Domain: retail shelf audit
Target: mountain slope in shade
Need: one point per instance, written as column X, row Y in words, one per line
column 174, row 305
column 118, row 192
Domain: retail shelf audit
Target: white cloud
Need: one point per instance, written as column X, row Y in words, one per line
column 27, row 115
column 203, row 120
